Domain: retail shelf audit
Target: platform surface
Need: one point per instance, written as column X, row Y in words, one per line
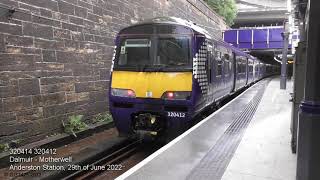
column 258, row 120
column 264, row 152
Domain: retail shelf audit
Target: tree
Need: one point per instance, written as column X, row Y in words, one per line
column 226, row 8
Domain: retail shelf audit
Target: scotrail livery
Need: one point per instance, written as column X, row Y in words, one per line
column 167, row 70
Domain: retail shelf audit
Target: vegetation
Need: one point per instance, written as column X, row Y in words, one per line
column 103, row 117
column 74, row 124
column 15, row 143
column 226, row 8
column 4, row 147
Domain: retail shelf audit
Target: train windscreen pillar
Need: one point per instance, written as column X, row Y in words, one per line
column 308, row 152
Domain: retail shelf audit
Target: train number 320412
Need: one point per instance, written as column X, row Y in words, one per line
column 176, row 114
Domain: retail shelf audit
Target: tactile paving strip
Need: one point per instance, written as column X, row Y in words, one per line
column 215, row 162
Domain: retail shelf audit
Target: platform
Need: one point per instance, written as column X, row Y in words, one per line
column 248, row 138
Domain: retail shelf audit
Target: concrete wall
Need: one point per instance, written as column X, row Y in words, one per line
column 55, row 57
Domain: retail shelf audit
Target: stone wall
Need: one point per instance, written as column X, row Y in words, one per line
column 55, row 57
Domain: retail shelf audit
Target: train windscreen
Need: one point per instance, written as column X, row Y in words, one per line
column 154, row 48
column 135, row 52
column 173, row 52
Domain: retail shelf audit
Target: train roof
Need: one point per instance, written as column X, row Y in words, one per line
column 174, row 21
column 194, row 27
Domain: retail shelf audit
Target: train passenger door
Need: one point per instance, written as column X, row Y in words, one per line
column 209, row 69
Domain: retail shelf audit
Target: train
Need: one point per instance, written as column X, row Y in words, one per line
column 166, row 71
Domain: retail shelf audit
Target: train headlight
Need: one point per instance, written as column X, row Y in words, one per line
column 176, row 95
column 123, row 92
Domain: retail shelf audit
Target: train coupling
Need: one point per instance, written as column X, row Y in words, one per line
column 148, row 124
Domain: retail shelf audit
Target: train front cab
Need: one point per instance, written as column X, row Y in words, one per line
column 152, row 80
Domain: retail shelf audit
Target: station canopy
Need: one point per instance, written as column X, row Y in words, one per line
column 260, row 13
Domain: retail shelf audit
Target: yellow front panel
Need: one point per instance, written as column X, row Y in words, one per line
column 155, row 82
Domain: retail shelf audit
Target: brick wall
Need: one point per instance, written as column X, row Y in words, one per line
column 55, row 57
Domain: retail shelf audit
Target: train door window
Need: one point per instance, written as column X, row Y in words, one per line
column 246, row 65
column 242, row 65
column 218, row 63
column 226, row 68
column 251, row 67
column 210, row 54
column 239, row 65
column 226, row 64
column 218, row 54
column 246, row 68
column 219, row 67
column 245, row 62
column 231, row 56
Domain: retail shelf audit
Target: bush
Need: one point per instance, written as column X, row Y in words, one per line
column 74, row 124
column 225, row 8
column 4, row 147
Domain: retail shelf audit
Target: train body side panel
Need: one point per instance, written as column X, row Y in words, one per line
column 214, row 80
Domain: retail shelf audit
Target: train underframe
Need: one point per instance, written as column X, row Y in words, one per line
column 156, row 123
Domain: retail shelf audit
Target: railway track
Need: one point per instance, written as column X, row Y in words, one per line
column 113, row 159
